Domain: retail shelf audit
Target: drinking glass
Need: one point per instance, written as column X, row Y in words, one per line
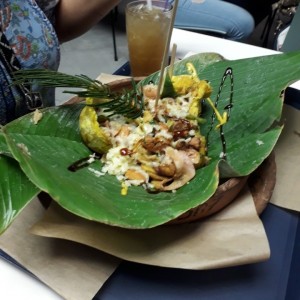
column 147, row 30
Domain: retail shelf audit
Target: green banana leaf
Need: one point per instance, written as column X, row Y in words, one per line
column 4, row 150
column 44, row 151
column 16, row 190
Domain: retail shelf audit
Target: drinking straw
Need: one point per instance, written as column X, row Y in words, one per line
column 149, row 4
column 166, row 52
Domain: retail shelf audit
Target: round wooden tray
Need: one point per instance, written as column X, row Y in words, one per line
column 261, row 184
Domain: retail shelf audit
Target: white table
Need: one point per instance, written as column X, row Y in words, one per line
column 16, row 284
column 192, row 42
column 196, row 43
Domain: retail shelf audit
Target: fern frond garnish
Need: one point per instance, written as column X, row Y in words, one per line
column 128, row 103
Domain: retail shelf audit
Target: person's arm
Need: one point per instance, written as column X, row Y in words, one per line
column 75, row 17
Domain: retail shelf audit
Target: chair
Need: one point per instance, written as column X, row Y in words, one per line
column 292, row 41
column 113, row 18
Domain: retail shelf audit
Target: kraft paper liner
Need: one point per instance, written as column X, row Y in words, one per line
column 74, row 271
column 287, row 150
column 234, row 236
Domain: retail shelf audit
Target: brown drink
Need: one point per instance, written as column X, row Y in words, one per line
column 147, row 31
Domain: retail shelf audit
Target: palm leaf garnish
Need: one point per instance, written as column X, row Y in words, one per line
column 128, row 103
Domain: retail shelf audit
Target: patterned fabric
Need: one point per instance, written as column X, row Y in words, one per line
column 28, row 41
column 48, row 7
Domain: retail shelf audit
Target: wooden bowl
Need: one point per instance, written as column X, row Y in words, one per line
column 117, row 85
column 224, row 195
column 261, row 184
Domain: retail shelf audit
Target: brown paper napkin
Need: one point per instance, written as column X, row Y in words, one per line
column 76, row 272
column 287, row 150
column 234, row 236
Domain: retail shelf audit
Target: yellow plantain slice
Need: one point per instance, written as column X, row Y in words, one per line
column 91, row 133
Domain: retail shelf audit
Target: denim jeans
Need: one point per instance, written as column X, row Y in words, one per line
column 215, row 17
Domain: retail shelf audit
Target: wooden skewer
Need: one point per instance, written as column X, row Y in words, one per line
column 166, row 53
column 172, row 61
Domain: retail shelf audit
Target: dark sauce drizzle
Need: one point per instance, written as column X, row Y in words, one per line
column 82, row 163
column 228, row 72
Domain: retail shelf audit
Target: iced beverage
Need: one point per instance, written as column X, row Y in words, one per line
column 147, row 31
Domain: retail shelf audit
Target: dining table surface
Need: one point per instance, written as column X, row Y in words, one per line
column 275, row 278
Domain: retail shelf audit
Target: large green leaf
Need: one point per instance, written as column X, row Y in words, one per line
column 44, row 151
column 45, row 159
column 16, row 191
column 4, row 150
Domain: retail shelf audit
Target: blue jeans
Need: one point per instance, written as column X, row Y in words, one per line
column 214, row 17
